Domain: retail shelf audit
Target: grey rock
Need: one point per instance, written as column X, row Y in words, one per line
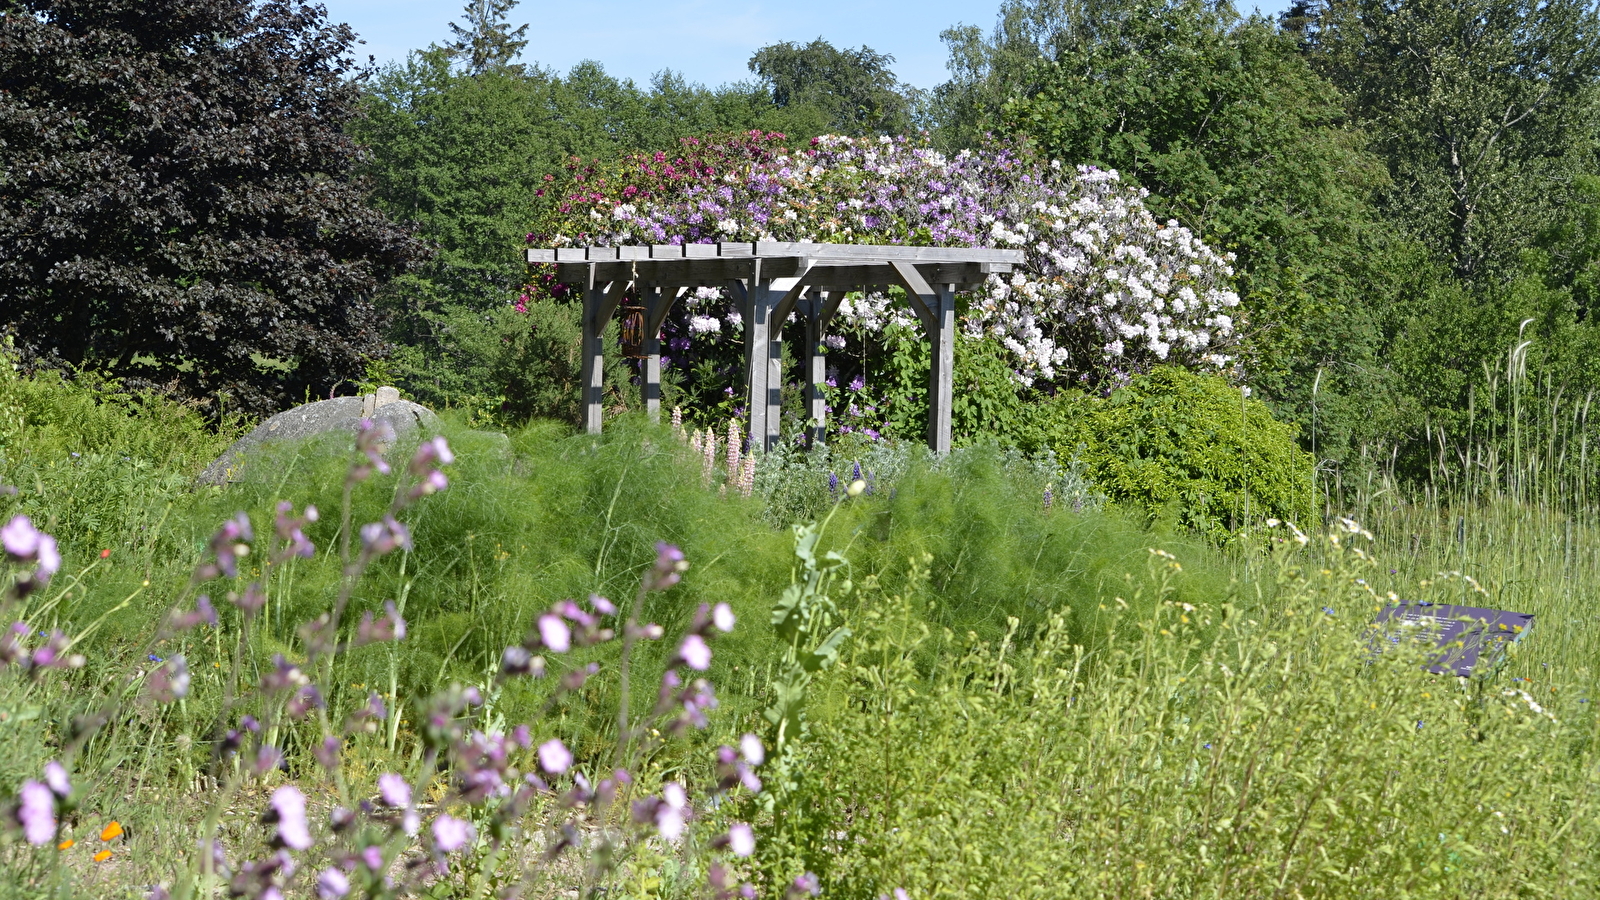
column 341, row 415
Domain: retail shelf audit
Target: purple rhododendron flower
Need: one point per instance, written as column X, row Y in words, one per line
column 394, row 790
column 451, row 834
column 36, row 812
column 554, row 757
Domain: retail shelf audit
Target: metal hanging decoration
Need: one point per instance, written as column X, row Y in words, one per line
column 630, row 331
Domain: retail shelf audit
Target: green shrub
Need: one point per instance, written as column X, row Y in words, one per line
column 1185, row 448
column 93, row 463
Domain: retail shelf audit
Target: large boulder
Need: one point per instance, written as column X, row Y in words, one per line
column 341, row 415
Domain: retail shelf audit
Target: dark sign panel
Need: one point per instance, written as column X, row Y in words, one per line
column 1465, row 635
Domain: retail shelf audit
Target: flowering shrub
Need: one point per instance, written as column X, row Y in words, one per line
column 476, row 780
column 1107, row 290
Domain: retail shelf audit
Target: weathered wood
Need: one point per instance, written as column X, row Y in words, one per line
column 792, row 289
column 941, row 375
column 885, row 252
column 864, row 253
column 659, row 314
column 818, row 273
column 592, row 364
column 654, row 311
column 814, row 309
column 922, row 296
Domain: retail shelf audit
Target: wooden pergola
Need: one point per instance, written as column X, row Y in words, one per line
column 773, row 280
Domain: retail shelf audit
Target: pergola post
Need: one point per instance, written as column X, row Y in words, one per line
column 818, row 311
column 657, row 303
column 652, row 355
column 599, row 304
column 941, row 375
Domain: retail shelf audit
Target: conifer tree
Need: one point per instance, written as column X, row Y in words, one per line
column 488, row 41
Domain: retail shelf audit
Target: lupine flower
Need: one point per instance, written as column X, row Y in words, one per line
column 394, row 790
column 451, row 834
column 554, row 757
column 288, row 811
column 36, row 813
column 332, row 884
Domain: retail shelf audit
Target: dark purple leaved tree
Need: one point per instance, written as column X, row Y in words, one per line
column 177, row 203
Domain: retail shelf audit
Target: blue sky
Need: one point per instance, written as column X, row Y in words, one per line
column 707, row 40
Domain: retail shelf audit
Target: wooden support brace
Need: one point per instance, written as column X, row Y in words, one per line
column 819, row 310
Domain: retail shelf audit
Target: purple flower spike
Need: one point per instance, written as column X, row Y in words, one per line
column 289, row 812
column 169, row 681
column 332, row 884
column 20, row 538
column 379, row 538
column 554, row 757
column 25, row 543
column 695, row 653
column 555, row 633
column 431, row 453
column 36, row 812
column 394, row 790
column 668, row 568
column 252, row 601
column 389, row 627
column 55, row 776
column 451, row 834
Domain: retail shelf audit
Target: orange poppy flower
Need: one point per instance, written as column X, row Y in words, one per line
column 112, row 831
column 66, row 844
column 102, row 856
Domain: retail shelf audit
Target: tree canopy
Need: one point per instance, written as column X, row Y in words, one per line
column 177, row 203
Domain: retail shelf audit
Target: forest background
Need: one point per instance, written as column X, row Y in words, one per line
column 1410, row 189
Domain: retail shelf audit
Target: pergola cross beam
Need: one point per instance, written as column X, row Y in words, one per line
column 771, row 281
